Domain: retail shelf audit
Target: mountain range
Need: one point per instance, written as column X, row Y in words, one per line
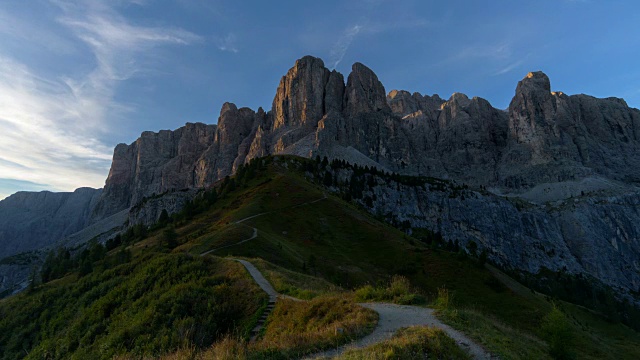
column 551, row 183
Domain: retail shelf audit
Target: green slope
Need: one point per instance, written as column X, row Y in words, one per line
column 309, row 242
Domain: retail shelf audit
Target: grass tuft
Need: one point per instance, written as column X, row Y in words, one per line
column 300, row 327
column 398, row 290
column 416, row 342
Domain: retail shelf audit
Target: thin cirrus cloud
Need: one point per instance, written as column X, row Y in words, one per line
column 342, row 45
column 228, row 43
column 50, row 125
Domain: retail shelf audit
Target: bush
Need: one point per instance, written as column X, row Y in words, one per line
column 443, row 300
column 558, row 333
column 397, row 291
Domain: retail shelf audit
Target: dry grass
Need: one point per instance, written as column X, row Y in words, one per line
column 297, row 327
column 294, row 328
column 398, row 291
column 416, row 342
column 225, row 349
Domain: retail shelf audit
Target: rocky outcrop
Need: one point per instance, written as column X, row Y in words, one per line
column 554, row 137
column 300, row 97
column 32, row 220
column 364, row 92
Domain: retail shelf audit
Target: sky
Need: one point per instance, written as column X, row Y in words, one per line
column 79, row 77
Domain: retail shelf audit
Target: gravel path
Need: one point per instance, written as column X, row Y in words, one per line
column 262, row 282
column 394, row 317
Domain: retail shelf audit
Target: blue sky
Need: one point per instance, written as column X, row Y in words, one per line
column 78, row 77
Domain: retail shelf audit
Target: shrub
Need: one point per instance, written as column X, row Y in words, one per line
column 558, row 333
column 398, row 291
column 443, row 299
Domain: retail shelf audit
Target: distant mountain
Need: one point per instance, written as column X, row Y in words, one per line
column 32, row 220
column 573, row 161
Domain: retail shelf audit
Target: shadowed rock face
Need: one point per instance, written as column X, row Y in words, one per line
column 545, row 143
column 31, row 220
column 364, row 92
column 543, row 137
column 153, row 164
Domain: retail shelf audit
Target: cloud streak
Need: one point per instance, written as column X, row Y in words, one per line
column 50, row 125
column 228, row 43
column 342, row 45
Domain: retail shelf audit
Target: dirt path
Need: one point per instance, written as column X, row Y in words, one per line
column 262, row 282
column 255, row 231
column 394, row 317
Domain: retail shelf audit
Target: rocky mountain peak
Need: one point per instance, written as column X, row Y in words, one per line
column 536, row 80
column 402, row 103
column 234, row 124
column 299, row 99
column 459, row 99
column 364, row 92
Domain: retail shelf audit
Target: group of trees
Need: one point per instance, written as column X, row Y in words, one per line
column 61, row 261
column 586, row 291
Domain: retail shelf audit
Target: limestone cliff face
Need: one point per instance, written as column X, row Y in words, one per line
column 32, row 220
column 554, row 137
column 594, row 235
column 546, row 147
column 544, row 137
column 364, row 92
column 153, row 164
column 299, row 99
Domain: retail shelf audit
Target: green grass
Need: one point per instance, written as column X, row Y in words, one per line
column 295, row 284
column 151, row 305
column 498, row 338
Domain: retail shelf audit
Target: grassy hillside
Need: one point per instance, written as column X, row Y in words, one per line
column 304, row 228
column 309, row 243
column 148, row 306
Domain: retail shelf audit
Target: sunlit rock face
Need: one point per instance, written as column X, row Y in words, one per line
column 300, row 97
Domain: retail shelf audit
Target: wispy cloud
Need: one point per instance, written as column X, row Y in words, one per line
column 39, row 139
column 8, row 186
column 365, row 25
column 500, row 51
column 509, row 68
column 228, row 43
column 50, row 125
column 342, row 45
